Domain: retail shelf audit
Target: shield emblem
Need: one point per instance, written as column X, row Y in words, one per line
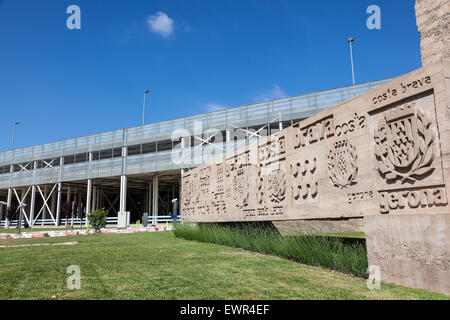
column 342, row 166
column 402, row 147
column 241, row 190
column 404, row 144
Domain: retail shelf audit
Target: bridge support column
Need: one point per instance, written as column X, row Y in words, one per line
column 32, row 205
column 44, row 211
column 149, row 199
column 88, row 199
column 123, row 194
column 67, row 201
column 155, row 190
column 58, row 204
column 8, row 206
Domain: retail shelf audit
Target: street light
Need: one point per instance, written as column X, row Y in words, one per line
column 14, row 134
column 350, row 40
column 143, row 107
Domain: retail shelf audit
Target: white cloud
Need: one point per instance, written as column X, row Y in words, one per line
column 275, row 93
column 161, row 24
column 211, row 107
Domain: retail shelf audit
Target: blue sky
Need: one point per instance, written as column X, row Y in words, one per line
column 194, row 56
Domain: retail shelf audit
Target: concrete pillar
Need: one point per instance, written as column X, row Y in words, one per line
column 32, row 205
column 88, row 198
column 155, row 197
column 8, row 205
column 150, row 199
column 68, row 197
column 44, row 211
column 58, row 204
column 123, row 194
column 281, row 125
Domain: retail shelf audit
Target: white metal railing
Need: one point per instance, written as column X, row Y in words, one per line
column 76, row 221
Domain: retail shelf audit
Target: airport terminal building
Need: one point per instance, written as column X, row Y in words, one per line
column 139, row 169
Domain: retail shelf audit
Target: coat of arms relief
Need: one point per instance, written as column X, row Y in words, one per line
column 404, row 144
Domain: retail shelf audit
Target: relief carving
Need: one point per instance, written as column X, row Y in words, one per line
column 241, row 183
column 318, row 131
column 241, row 190
column 404, row 144
column 304, row 180
column 412, row 199
column 342, row 166
column 271, row 186
column 277, row 186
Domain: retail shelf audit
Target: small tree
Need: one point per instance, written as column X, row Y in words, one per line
column 97, row 219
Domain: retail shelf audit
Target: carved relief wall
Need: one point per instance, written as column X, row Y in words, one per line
column 380, row 153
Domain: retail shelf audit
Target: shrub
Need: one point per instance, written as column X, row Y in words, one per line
column 329, row 252
column 97, row 219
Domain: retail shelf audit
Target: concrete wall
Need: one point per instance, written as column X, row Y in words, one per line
column 317, row 226
column 433, row 23
column 383, row 156
column 411, row 250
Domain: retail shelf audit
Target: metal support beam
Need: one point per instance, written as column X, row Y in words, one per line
column 20, row 200
column 45, row 206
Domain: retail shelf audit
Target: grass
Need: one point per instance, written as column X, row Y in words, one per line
column 330, row 252
column 161, row 266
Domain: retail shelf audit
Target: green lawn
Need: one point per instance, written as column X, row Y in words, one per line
column 160, row 266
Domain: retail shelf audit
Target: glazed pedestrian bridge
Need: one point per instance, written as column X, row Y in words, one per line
column 133, row 169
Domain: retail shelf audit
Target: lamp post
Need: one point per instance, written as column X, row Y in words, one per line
column 14, row 134
column 143, row 107
column 350, row 40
